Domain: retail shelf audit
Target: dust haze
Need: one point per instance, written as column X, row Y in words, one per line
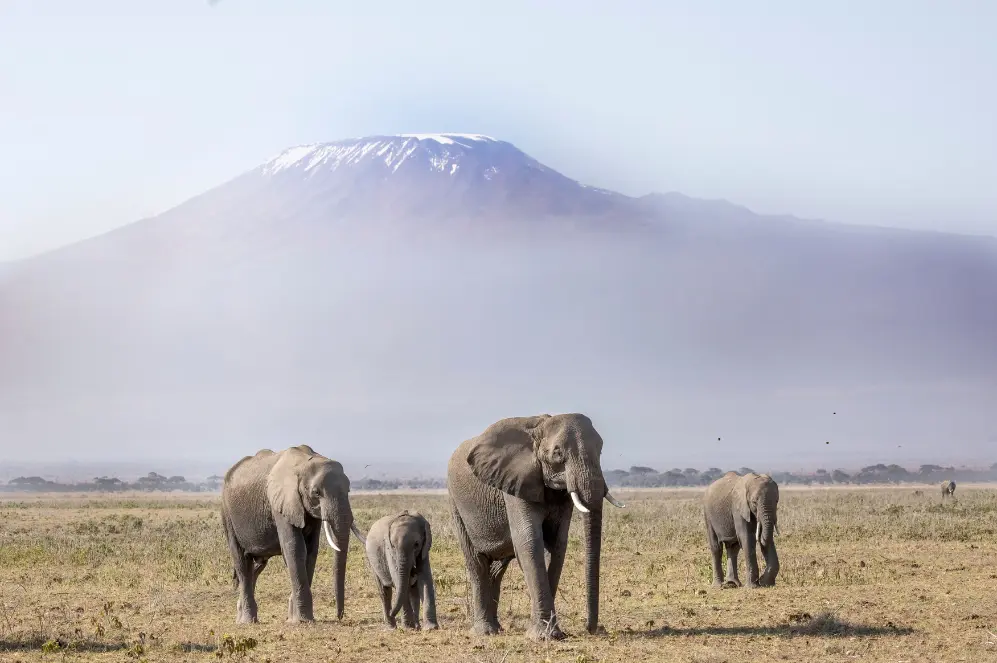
column 704, row 336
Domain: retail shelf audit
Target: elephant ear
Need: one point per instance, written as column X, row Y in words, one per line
column 504, row 457
column 395, row 534
column 740, row 496
column 282, row 486
column 428, row 543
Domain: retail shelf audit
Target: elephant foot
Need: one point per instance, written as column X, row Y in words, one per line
column 753, row 585
column 543, row 632
column 485, row 628
column 718, row 583
column 730, row 584
column 300, row 619
column 246, row 619
column 431, row 626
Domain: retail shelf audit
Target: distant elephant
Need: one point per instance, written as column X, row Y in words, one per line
column 278, row 504
column 948, row 489
column 740, row 510
column 398, row 551
column 511, row 494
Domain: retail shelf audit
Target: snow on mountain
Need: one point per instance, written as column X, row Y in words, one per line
column 392, row 150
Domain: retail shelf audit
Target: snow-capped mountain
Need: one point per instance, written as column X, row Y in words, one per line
column 299, row 302
column 432, row 175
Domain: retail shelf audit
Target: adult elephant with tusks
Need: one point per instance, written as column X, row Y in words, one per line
column 740, row 511
column 512, row 490
column 279, row 504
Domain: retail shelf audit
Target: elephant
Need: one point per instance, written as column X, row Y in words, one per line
column 738, row 511
column 948, row 489
column 397, row 548
column 279, row 504
column 512, row 489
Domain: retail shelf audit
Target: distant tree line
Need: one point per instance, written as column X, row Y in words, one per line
column 158, row 482
column 150, row 482
column 638, row 476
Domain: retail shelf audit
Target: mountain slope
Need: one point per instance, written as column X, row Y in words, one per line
column 397, row 291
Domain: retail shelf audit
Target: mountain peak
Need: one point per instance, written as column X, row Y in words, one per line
column 460, row 175
column 443, row 151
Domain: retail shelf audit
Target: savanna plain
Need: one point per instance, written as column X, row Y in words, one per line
column 882, row 574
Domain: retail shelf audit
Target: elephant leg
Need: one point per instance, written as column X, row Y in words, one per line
column 386, row 604
column 748, row 542
column 295, row 551
column 415, row 600
column 246, row 609
column 527, row 541
column 716, row 552
column 483, row 620
column 732, row 549
column 312, row 543
column 555, row 536
column 427, row 590
column 496, row 571
column 243, row 571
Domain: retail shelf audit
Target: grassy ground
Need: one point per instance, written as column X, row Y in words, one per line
column 876, row 575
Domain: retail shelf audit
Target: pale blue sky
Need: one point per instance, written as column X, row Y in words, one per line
column 869, row 112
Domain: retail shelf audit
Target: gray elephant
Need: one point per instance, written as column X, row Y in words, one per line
column 948, row 489
column 398, row 551
column 740, row 510
column 512, row 489
column 279, row 504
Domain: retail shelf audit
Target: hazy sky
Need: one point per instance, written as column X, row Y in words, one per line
column 871, row 112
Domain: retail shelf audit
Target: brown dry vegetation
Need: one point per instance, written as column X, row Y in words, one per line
column 876, row 575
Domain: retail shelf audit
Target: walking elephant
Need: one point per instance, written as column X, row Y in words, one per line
column 948, row 489
column 739, row 511
column 398, row 551
column 278, row 504
column 512, row 489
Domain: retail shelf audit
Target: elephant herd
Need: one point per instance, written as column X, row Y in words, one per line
column 511, row 490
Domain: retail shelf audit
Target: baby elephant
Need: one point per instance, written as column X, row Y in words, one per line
column 398, row 551
column 740, row 510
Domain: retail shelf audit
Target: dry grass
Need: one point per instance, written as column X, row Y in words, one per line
column 880, row 575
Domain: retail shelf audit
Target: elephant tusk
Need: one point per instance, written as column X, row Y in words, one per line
column 615, row 502
column 578, row 503
column 328, row 535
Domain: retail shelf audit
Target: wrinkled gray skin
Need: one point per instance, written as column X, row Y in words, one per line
column 948, row 489
column 276, row 504
column 740, row 510
column 510, row 495
column 398, row 551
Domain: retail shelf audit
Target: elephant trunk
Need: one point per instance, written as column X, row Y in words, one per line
column 339, row 579
column 337, row 530
column 592, row 524
column 586, row 485
column 402, row 580
column 765, row 525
